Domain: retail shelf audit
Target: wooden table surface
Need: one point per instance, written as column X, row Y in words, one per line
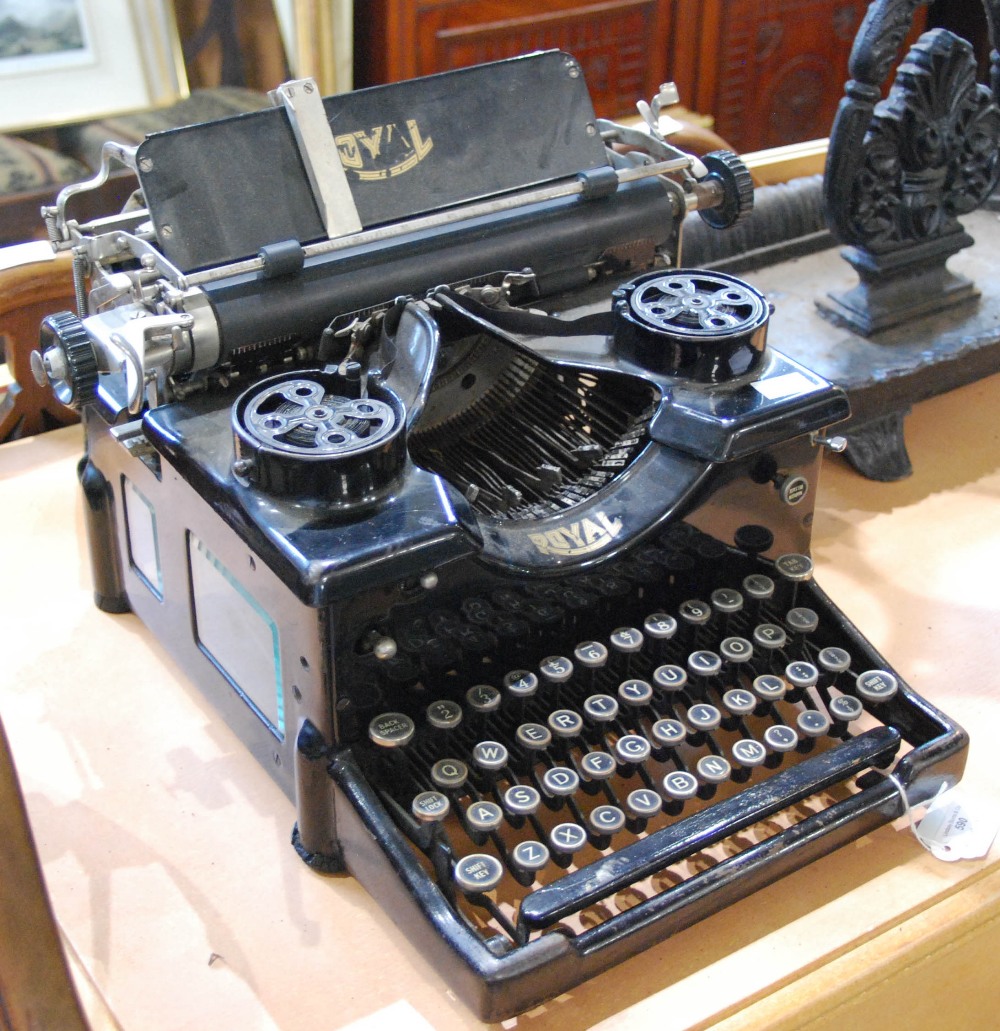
column 166, row 851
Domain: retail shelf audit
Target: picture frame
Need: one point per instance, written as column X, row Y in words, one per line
column 64, row 61
column 319, row 41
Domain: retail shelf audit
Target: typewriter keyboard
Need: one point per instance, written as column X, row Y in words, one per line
column 722, row 701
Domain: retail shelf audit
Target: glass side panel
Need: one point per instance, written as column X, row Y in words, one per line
column 143, row 544
column 237, row 634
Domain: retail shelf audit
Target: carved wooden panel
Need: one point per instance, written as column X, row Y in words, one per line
column 773, row 73
column 622, row 46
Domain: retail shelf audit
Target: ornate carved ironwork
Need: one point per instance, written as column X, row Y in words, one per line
column 901, row 170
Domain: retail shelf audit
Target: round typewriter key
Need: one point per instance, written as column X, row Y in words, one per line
column 510, row 629
column 391, row 729
column 520, row 683
column 542, row 613
column 758, row 586
column 530, row 855
column 812, row 722
column 736, row 649
column 478, row 873
column 704, row 663
column 521, row 800
column 556, row 669
column 591, row 654
column 834, row 660
column 635, row 692
column 601, row 708
column 643, row 803
column 449, row 773
column 606, row 819
column 484, row 816
column 598, row 765
column 508, row 599
column 796, row 568
column 739, row 702
column 713, row 769
column 877, row 685
column 769, row 636
column 801, row 620
column 845, row 708
column 608, row 585
column 709, row 549
column 632, row 748
column 694, row 612
column 726, row 600
column 659, row 626
column 533, row 736
column 801, row 675
column 794, row 489
column 567, row 838
column 680, row 785
column 704, row 717
column 575, row 599
column 560, row 781
column 565, row 723
column 477, row 611
column 489, row 755
column 668, row 732
column 748, row 752
column 670, row 677
column 676, row 563
column 626, row 639
column 483, row 698
column 769, row 688
column 430, row 806
column 753, row 538
column 780, row 738
column 444, row 714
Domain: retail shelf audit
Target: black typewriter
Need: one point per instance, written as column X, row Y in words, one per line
column 482, row 520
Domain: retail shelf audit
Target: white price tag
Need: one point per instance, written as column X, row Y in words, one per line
column 953, row 828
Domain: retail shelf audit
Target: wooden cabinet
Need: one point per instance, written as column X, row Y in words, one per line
column 622, row 46
column 770, row 72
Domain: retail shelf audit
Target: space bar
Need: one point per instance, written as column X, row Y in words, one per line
column 598, row 880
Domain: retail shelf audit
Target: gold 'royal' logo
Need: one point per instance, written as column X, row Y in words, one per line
column 384, row 151
column 582, row 537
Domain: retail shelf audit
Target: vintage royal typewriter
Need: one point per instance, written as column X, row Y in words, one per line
column 484, row 525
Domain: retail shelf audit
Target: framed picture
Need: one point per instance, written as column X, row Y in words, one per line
column 319, row 41
column 72, row 60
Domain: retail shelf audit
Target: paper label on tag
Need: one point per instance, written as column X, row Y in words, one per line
column 954, row 829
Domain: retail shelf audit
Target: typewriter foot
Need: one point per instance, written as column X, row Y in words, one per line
column 318, row 861
column 877, row 449
column 105, row 564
